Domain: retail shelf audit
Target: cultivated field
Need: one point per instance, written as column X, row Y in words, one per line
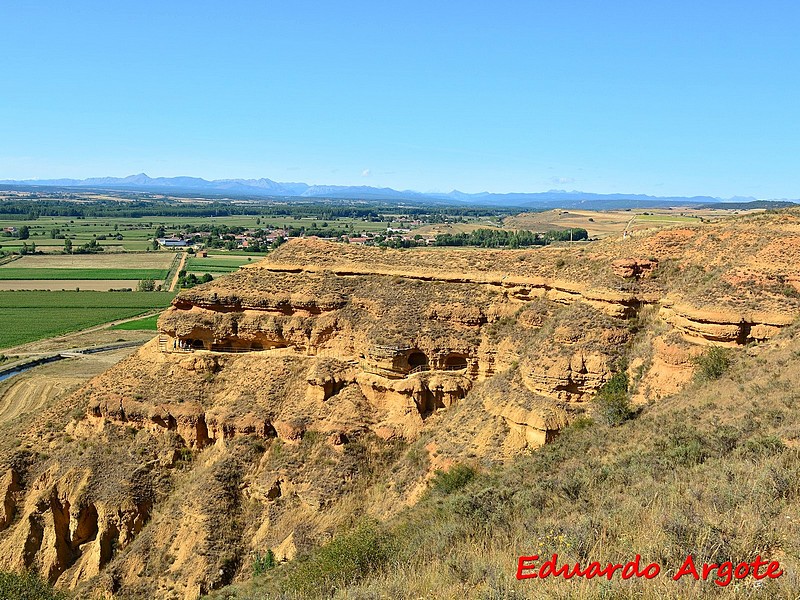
column 25, row 395
column 98, row 285
column 7, row 272
column 97, row 272
column 144, row 324
column 132, row 260
column 217, row 264
column 451, row 228
column 28, row 316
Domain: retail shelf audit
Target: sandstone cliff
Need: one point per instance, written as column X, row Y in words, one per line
column 328, row 381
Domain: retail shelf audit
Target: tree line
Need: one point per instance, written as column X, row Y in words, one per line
column 32, row 209
column 502, row 238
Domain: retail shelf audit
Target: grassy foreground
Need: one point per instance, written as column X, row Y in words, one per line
column 29, row 316
column 713, row 472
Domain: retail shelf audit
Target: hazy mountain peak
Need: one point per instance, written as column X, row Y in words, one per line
column 265, row 188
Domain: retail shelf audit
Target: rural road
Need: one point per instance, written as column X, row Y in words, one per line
column 174, row 283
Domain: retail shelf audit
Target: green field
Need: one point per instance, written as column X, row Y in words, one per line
column 29, row 316
column 216, row 264
column 16, row 273
column 145, row 324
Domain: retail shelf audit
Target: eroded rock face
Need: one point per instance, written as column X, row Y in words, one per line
column 709, row 326
column 574, row 378
column 311, row 371
column 9, row 488
column 63, row 532
column 631, row 267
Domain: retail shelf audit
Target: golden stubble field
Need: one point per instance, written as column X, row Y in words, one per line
column 613, row 222
column 597, row 223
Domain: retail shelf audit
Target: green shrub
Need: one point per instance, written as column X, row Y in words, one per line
column 613, row 402
column 146, row 285
column 580, row 423
column 713, row 363
column 263, row 562
column 487, row 507
column 682, row 446
column 447, row 482
column 27, row 586
column 344, row 560
column 764, row 446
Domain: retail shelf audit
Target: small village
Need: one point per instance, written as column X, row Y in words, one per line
column 267, row 238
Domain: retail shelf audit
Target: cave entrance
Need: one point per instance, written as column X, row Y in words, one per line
column 196, row 344
column 454, row 362
column 417, row 359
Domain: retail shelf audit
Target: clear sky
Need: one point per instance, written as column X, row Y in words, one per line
column 649, row 96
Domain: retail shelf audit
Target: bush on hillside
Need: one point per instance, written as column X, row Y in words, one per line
column 713, row 363
column 27, row 586
column 613, row 402
column 452, row 480
column 345, row 559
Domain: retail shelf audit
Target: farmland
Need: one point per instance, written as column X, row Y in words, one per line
column 94, row 242
column 128, row 260
column 84, row 271
column 144, row 324
column 99, row 285
column 28, row 316
column 41, row 273
column 217, row 264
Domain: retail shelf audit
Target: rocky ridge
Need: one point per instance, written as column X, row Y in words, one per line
column 262, row 408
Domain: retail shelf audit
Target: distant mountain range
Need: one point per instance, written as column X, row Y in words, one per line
column 266, row 188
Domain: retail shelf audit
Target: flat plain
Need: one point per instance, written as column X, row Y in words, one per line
column 28, row 316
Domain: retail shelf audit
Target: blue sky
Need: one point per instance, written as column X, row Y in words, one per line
column 658, row 97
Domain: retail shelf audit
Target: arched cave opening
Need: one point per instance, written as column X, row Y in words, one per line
column 197, row 344
column 417, row 359
column 455, row 361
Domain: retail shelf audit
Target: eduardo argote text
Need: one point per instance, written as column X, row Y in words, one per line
column 531, row 567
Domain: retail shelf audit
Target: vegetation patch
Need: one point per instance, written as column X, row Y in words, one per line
column 613, row 401
column 452, row 480
column 146, row 324
column 27, row 586
column 46, row 273
column 345, row 560
column 713, row 363
column 29, row 316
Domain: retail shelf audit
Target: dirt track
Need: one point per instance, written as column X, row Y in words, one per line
column 174, row 284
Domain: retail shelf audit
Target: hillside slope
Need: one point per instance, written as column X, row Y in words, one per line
column 328, row 385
